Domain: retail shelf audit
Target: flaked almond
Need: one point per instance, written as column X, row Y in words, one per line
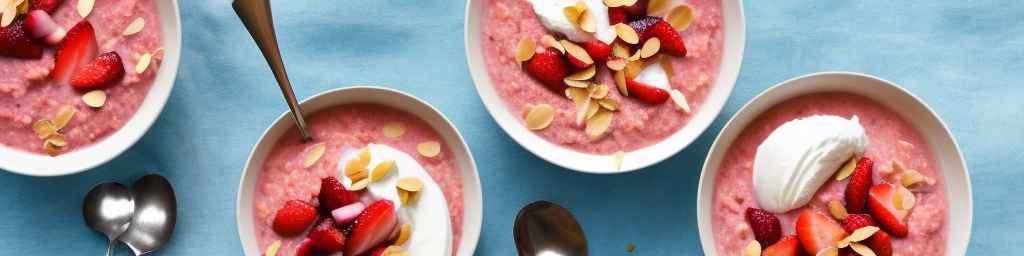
column 353, row 166
column 584, row 74
column 85, row 7
column 63, row 116
column 575, row 93
column 911, row 177
column 620, row 82
column 634, row 57
column 592, row 109
column 314, row 154
column 360, row 174
column 364, row 156
column 633, row 68
column 581, row 103
column 680, row 17
column 620, row 50
column 847, row 168
column 862, row 234
column 904, row 145
column 44, row 128
column 658, row 7
column 134, row 27
column 903, row 199
column 404, row 234
column 403, row 196
column 550, row 41
column 95, row 98
column 572, row 14
column 861, row 249
column 599, row 124
column 272, row 249
column 429, row 148
column 54, row 145
column 9, row 12
column 57, row 140
column 411, row 184
column 587, row 21
column 650, row 48
column 626, row 33
column 359, row 185
column 599, row 91
column 575, row 51
column 540, row 116
column 609, row 104
column 23, row 6
column 394, row 130
column 828, row 251
column 143, row 63
column 618, row 158
column 525, row 50
column 619, row 3
column 616, row 64
column 837, row 210
column 576, row 83
column 382, row 170
column 752, row 249
column 680, row 100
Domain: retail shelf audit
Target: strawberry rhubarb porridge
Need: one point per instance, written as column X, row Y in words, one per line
column 73, row 72
column 602, row 76
column 374, row 180
column 829, row 174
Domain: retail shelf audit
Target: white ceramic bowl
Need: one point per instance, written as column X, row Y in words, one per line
column 732, row 56
column 947, row 152
column 22, row 162
column 472, row 195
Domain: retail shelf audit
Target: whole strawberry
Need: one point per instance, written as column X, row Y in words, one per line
column 549, row 68
column 767, row 229
column 294, row 218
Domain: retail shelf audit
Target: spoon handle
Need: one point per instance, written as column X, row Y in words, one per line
column 110, row 247
column 256, row 16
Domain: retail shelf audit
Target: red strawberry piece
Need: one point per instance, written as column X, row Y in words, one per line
column 379, row 251
column 857, row 188
column 41, row 27
column 78, row 48
column 881, row 208
column 46, row 5
column 645, row 92
column 306, row 248
column 549, row 68
column 640, row 25
column 817, row 231
column 637, row 9
column 372, row 227
column 15, row 42
column 327, row 238
column 577, row 63
column 671, row 42
column 617, row 15
column 880, row 242
column 599, row 51
column 767, row 229
column 107, row 69
column 333, row 195
column 787, row 246
column 856, row 221
column 294, row 218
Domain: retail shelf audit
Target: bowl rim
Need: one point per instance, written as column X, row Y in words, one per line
column 748, row 113
column 102, row 151
column 472, row 193
column 734, row 45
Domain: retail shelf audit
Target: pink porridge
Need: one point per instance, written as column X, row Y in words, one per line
column 29, row 92
column 892, row 139
column 284, row 177
column 636, row 123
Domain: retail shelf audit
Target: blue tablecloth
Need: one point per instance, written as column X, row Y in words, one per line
column 962, row 57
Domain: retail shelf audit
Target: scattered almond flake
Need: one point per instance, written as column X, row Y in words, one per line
column 582, row 102
column 587, row 21
column 680, row 17
column 314, row 154
column 134, row 27
column 620, row 50
column 63, row 117
column 575, row 51
column 897, row 166
column 360, row 175
column 837, row 210
column 404, row 234
column 626, row 33
column 411, row 184
column 911, row 177
column 159, row 53
column 862, row 234
column 353, row 166
column 598, row 125
column 620, row 82
column 618, row 158
column 540, row 116
column 85, row 7
column 550, row 41
column 359, row 185
column 382, row 170
column 633, row 68
column 583, row 74
column 572, row 14
column 630, row 247
column 57, row 140
column 272, row 249
column 618, row 3
column 650, row 47
column 575, row 92
column 903, row 199
column 525, row 50
column 403, row 196
column 753, row 249
column 95, row 98
column 576, row 84
column 44, row 128
column 861, row 249
column 828, row 251
column 666, row 65
column 592, row 109
column 905, row 145
column 609, row 104
column 429, row 148
column 9, row 12
column 657, row 7
column 599, row 91
column 616, row 64
column 680, row 100
column 394, row 130
column 634, row 57
column 364, row 157
column 51, row 149
column 23, row 6
column 847, row 168
column 143, row 63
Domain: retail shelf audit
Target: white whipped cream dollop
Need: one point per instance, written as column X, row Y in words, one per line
column 801, row 155
column 431, row 228
column 551, row 14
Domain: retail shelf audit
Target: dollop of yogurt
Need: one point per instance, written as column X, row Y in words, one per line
column 551, row 14
column 431, row 228
column 801, row 155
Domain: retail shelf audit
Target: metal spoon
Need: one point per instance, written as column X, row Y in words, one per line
column 155, row 214
column 108, row 208
column 544, row 228
column 255, row 14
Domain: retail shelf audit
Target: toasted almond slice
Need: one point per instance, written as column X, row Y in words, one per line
column 429, row 148
column 134, row 27
column 650, row 47
column 540, row 116
column 911, row 177
column 394, row 130
column 353, row 166
column 620, row 50
column 609, row 104
column 616, row 64
column 525, row 49
column 680, row 100
column 550, row 41
column 382, row 170
column 44, row 128
column 403, row 195
column 143, row 63
column 620, row 82
column 680, row 17
column 576, row 84
column 587, row 21
column 360, row 175
column 599, row 91
column 54, row 145
column 95, row 98
column 657, row 7
column 411, row 184
column 666, row 64
column 861, row 249
column 314, row 154
column 598, row 125
column 22, row 6
column 634, row 67
column 272, row 249
column 404, row 234
column 592, row 109
column 85, row 7
column 904, row 145
column 577, row 52
column 359, row 185
column 63, row 117
column 828, row 251
column 753, row 249
column 618, row 3
column 862, row 234
column 618, row 159
column 9, row 12
column 574, row 93
column 582, row 102
column 626, row 33
column 837, row 210
column 572, row 14
column 847, row 169
column 585, row 74
column 57, row 140
column 904, row 199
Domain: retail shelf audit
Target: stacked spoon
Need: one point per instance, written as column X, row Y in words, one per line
column 143, row 217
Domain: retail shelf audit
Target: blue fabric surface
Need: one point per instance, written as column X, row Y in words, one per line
column 962, row 57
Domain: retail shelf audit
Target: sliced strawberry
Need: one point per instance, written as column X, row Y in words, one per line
column 49, row 6
column 880, row 242
column 372, row 227
column 549, row 68
column 617, row 15
column 817, row 231
column 856, row 221
column 327, row 238
column 333, row 195
column 106, row 70
column 857, row 188
column 882, row 209
column 767, row 229
column 599, row 51
column 577, row 63
column 645, row 92
column 641, row 24
column 306, row 248
column 15, row 42
column 671, row 42
column 294, row 218
column 637, row 9
column 78, row 48
column 41, row 27
column 787, row 246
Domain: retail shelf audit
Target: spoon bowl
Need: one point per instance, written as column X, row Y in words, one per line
column 544, row 228
column 155, row 215
column 108, row 208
